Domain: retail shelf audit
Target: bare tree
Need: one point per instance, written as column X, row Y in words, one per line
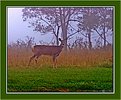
column 106, row 23
column 99, row 20
column 59, row 22
column 51, row 19
column 88, row 21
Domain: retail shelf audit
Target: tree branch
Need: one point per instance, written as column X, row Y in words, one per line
column 77, row 30
column 101, row 35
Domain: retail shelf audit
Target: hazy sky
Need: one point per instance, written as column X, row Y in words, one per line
column 18, row 29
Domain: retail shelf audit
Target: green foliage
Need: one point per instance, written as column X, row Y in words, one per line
column 63, row 79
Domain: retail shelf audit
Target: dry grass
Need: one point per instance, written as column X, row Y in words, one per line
column 20, row 57
column 78, row 71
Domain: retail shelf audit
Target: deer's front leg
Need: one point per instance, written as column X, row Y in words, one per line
column 54, row 58
column 31, row 59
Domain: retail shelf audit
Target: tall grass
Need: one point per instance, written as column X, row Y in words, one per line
column 78, row 71
column 97, row 57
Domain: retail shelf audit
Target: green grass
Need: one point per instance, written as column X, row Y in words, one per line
column 63, row 79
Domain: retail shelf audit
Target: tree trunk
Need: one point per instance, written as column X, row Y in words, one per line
column 65, row 40
column 63, row 27
column 64, row 35
column 104, row 36
column 57, row 40
column 89, row 40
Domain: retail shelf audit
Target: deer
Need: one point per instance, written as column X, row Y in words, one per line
column 49, row 50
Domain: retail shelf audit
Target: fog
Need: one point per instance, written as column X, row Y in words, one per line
column 18, row 29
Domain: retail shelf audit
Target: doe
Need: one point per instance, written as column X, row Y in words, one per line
column 49, row 50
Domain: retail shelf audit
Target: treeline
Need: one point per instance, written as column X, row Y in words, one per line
column 67, row 22
column 78, row 44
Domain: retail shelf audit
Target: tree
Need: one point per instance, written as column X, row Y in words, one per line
column 106, row 22
column 43, row 20
column 97, row 20
column 51, row 19
column 59, row 21
column 88, row 22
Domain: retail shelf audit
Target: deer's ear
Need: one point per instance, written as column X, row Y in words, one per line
column 60, row 39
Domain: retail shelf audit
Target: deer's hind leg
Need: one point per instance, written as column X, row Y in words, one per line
column 36, row 59
column 54, row 58
column 31, row 58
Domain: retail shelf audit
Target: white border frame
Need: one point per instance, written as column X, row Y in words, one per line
column 113, row 39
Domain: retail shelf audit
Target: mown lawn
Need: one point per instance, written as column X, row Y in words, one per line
column 61, row 79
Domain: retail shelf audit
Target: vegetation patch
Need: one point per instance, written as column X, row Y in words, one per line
column 62, row 79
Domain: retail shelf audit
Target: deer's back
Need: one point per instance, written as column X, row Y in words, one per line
column 47, row 50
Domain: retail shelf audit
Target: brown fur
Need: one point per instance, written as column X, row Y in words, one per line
column 53, row 51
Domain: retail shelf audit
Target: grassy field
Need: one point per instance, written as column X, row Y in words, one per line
column 63, row 79
column 76, row 72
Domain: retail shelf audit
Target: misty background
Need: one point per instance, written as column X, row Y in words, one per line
column 20, row 27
